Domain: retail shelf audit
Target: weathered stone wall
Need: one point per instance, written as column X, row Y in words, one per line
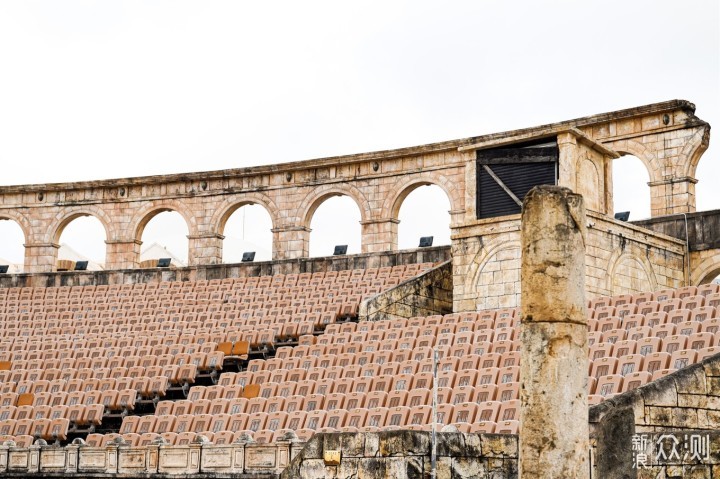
column 427, row 295
column 701, row 230
column 435, row 254
column 620, row 258
column 667, row 137
column 680, row 403
column 197, row 460
column 406, row 455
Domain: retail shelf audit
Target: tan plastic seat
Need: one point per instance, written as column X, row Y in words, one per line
column 656, row 361
column 635, row 380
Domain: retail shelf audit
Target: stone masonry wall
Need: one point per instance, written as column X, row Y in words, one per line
column 426, row 295
column 667, row 137
column 681, row 403
column 405, row 455
column 620, row 258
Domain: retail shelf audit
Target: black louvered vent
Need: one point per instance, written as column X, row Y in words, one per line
column 519, row 169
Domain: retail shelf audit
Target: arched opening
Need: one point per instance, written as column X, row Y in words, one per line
column 248, row 228
column 12, row 249
column 712, row 277
column 425, row 211
column 164, row 234
column 631, row 191
column 82, row 239
column 336, row 221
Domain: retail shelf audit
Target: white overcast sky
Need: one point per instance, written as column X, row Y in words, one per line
column 103, row 89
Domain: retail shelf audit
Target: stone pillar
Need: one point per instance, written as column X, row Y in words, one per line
column 671, row 196
column 379, row 235
column 290, row 242
column 205, row 248
column 40, row 257
column 554, row 355
column 122, row 254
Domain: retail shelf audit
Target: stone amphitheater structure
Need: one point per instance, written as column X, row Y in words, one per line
column 323, row 367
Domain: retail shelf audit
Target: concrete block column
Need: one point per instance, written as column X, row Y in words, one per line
column 553, row 366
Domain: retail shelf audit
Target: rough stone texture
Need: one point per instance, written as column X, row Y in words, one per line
column 553, row 351
column 427, row 295
column 406, row 455
column 683, row 403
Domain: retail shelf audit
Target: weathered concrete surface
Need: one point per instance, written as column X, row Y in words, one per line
column 429, row 294
column 554, row 437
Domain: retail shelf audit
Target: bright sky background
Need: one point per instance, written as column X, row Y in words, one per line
column 103, row 89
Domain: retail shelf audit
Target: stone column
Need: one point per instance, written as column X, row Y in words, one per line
column 379, row 235
column 40, row 257
column 122, row 254
column 290, row 242
column 554, row 354
column 205, row 248
column 672, row 196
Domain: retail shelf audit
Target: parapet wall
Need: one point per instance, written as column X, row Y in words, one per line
column 435, row 254
column 427, row 295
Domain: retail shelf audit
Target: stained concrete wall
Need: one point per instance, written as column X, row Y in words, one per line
column 426, row 295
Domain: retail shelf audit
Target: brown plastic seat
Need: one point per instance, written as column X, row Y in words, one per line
column 603, row 366
column 238, row 406
column 624, row 348
column 508, row 391
column 648, row 345
column 601, row 350
column 703, row 313
column 656, row 319
column 656, row 361
column 660, row 373
column 635, row 380
column 164, row 424
column 146, row 424
column 688, row 328
column 334, row 401
column 630, row 364
column 129, row 424
column 682, row 358
column 674, row 343
column 707, row 352
column 164, row 408
column 487, row 376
